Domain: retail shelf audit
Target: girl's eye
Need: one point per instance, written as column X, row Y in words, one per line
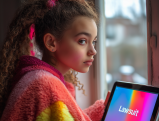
column 82, row 42
column 94, row 43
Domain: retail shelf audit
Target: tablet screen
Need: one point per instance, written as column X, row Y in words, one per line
column 131, row 105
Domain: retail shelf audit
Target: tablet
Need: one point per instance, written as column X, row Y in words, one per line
column 132, row 102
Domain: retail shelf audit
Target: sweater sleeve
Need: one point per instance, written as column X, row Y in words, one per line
column 40, row 96
column 71, row 89
column 35, row 102
column 56, row 112
column 96, row 111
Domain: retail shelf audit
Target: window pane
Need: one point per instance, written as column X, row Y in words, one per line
column 126, row 41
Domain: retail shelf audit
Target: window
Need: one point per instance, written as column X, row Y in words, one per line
column 126, row 41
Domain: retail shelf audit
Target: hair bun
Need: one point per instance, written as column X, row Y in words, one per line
column 51, row 3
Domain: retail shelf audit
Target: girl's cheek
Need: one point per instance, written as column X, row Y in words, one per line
column 71, row 52
column 65, row 51
column 77, row 56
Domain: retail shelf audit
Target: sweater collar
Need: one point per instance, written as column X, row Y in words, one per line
column 30, row 63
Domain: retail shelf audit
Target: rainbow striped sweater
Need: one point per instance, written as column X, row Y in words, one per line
column 40, row 93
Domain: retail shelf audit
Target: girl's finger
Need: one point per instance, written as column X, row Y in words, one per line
column 107, row 98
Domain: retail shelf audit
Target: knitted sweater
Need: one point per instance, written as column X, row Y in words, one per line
column 40, row 93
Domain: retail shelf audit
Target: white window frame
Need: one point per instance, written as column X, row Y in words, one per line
column 100, row 63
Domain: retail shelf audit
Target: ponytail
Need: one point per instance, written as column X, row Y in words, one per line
column 17, row 44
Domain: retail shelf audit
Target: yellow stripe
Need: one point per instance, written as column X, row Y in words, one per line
column 56, row 112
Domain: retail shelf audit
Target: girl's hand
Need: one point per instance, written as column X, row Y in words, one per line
column 107, row 98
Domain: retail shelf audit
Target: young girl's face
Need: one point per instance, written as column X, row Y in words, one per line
column 77, row 45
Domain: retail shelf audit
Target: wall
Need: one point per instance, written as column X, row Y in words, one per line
column 7, row 12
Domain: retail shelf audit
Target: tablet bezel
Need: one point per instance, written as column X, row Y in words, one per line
column 134, row 86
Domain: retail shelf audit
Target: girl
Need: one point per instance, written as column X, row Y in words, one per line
column 33, row 89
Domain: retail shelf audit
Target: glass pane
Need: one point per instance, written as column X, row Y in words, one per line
column 126, row 41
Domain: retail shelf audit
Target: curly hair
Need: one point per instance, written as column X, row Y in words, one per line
column 55, row 21
column 71, row 77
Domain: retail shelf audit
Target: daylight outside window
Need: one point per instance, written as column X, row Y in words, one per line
column 126, row 41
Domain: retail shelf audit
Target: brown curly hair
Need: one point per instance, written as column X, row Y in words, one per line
column 54, row 21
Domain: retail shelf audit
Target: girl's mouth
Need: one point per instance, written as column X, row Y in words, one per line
column 88, row 63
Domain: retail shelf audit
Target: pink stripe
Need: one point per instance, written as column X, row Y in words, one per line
column 21, row 87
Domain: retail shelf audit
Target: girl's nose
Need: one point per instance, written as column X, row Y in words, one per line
column 92, row 51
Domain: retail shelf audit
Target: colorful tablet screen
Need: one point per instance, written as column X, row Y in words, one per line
column 131, row 105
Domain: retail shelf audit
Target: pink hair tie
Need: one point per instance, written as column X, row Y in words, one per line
column 51, row 3
column 32, row 31
column 31, row 35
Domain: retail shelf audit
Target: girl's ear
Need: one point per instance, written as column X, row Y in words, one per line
column 50, row 42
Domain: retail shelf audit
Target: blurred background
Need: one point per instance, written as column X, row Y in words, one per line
column 126, row 41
